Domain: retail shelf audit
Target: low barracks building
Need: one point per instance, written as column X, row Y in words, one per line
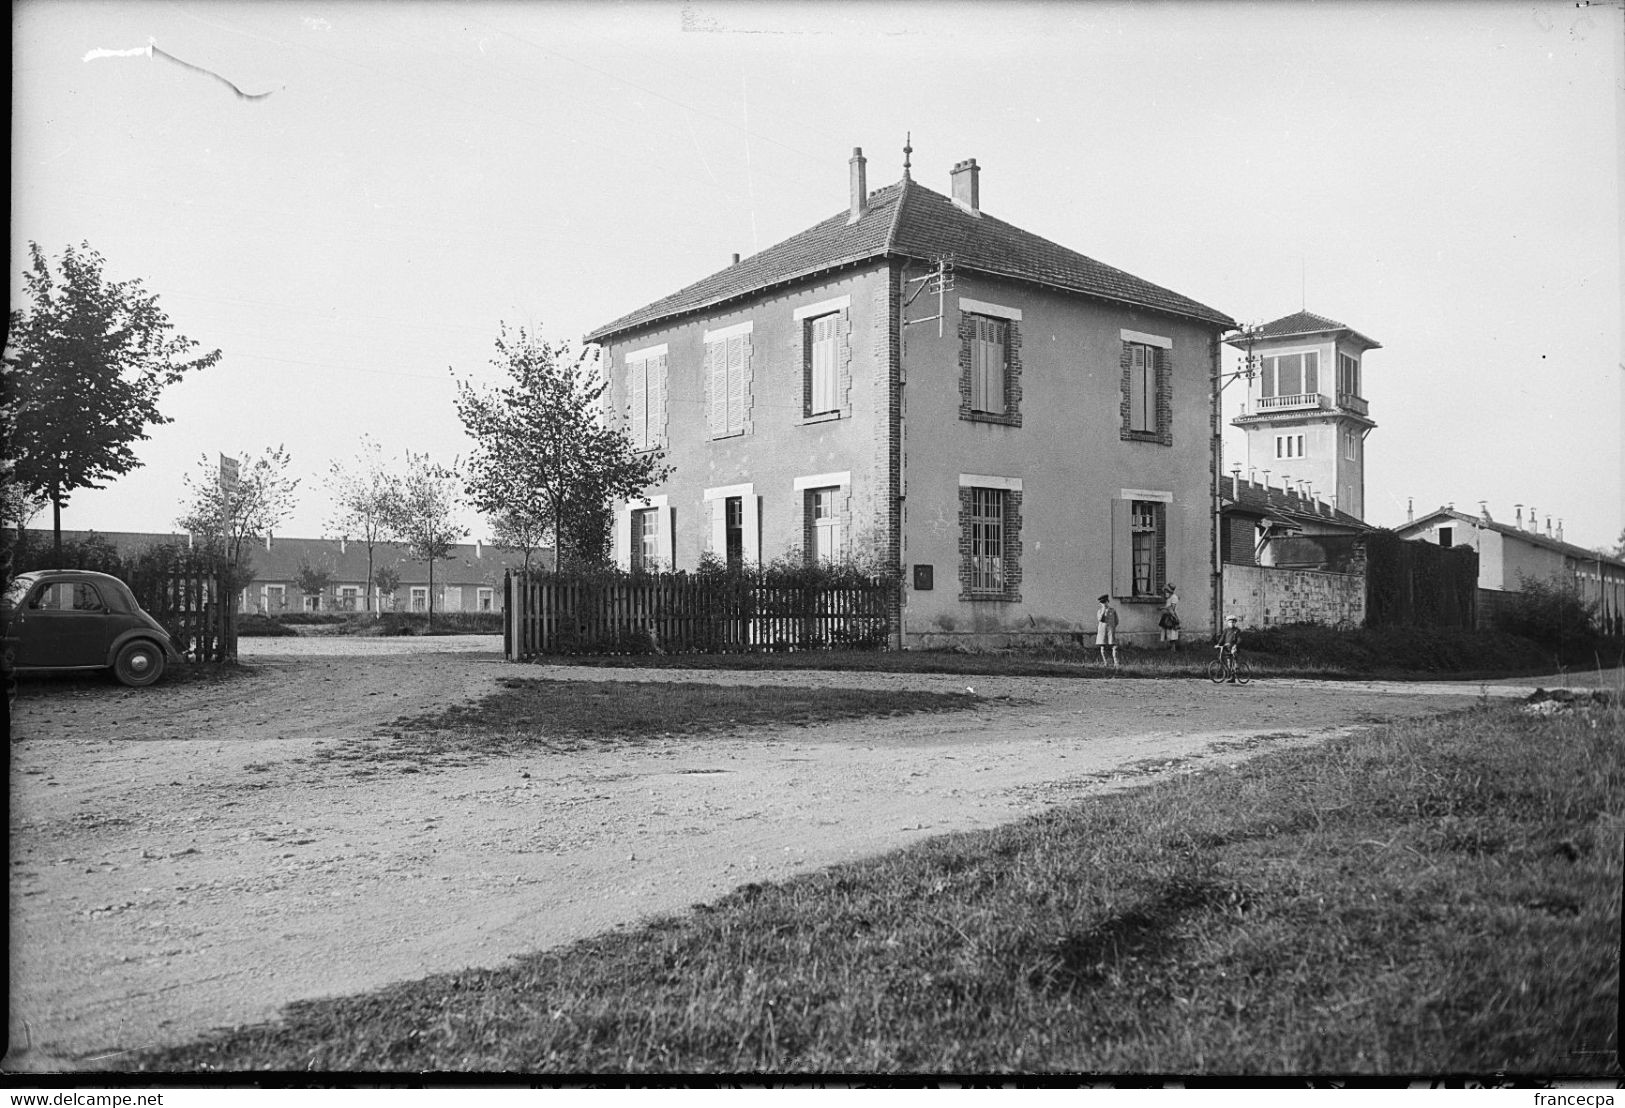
column 916, row 384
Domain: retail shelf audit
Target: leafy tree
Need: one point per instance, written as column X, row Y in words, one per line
column 519, row 531
column 366, row 499
column 227, row 518
column 85, row 362
column 425, row 517
column 543, row 450
column 1619, row 547
column 387, row 580
column 312, row 580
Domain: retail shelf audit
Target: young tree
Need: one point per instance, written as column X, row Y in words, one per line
column 387, row 581
column 85, row 361
column 425, row 518
column 365, row 503
column 543, row 447
column 226, row 514
column 313, row 580
column 518, row 530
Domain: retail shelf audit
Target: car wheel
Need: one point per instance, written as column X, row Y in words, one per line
column 139, row 663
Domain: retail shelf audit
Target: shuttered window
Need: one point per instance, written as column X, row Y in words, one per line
column 728, row 369
column 1142, row 387
column 1140, row 548
column 990, row 360
column 646, row 401
column 823, row 364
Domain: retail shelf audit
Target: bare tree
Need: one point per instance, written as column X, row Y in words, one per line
column 366, row 498
column 426, row 516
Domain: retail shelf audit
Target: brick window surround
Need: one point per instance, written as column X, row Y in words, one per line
column 1009, row 495
column 976, row 322
column 826, row 333
column 1159, row 351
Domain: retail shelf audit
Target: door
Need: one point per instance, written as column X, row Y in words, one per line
column 63, row 623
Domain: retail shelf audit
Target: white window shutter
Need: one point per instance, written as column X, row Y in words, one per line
column 738, row 366
column 637, row 387
column 719, row 527
column 825, row 373
column 623, row 536
column 752, row 508
column 668, row 538
column 716, row 358
column 657, row 401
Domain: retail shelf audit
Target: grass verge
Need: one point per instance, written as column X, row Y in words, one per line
column 546, row 716
column 1438, row 896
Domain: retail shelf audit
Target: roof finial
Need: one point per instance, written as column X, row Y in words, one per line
column 908, row 151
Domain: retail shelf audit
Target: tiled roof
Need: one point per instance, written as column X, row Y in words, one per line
column 348, row 565
column 1303, row 323
column 908, row 220
column 1534, row 538
column 1258, row 499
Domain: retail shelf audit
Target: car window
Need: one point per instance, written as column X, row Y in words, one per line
column 67, row 596
column 17, row 590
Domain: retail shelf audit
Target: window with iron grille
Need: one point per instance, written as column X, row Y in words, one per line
column 1146, row 542
column 987, row 540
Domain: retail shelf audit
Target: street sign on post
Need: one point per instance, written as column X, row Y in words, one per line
column 228, row 475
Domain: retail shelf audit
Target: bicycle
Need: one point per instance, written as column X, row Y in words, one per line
column 1227, row 666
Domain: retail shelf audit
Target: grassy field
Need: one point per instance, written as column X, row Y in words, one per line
column 1434, row 897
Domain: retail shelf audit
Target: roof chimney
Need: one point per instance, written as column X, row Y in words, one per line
column 1235, row 482
column 1484, row 511
column 1519, row 509
column 1548, row 526
column 1534, row 520
column 860, row 187
column 967, row 190
column 736, row 260
column 1410, row 509
column 1559, row 530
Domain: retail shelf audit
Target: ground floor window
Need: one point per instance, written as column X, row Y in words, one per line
column 645, row 538
column 1140, row 546
column 987, row 540
column 990, row 538
column 420, row 598
column 349, row 598
column 487, row 600
column 824, row 525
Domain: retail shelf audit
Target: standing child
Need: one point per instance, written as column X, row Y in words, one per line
column 1106, row 629
column 1169, row 620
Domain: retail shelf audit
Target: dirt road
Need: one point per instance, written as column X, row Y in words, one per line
column 181, row 861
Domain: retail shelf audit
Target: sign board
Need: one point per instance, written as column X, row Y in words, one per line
column 228, row 475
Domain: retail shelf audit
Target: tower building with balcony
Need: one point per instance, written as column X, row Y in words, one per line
column 1305, row 416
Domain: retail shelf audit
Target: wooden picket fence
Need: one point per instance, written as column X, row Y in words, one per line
column 183, row 590
column 682, row 613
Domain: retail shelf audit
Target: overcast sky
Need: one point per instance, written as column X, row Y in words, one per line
column 1445, row 178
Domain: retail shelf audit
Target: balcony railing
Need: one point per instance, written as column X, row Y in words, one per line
column 1291, row 402
column 1349, row 402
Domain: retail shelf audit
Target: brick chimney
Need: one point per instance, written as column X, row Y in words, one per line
column 860, row 185
column 967, row 186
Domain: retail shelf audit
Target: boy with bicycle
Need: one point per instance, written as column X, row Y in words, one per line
column 1227, row 645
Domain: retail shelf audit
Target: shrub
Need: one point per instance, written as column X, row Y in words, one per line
column 445, row 623
column 254, row 625
column 1550, row 613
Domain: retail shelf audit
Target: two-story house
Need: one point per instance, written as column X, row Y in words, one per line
column 918, row 385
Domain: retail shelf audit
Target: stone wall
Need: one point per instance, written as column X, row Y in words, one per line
column 1261, row 596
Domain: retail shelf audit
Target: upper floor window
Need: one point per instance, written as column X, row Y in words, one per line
column 646, row 397
column 1289, row 446
column 1147, row 388
column 989, row 363
column 728, row 371
column 822, row 338
column 1290, row 374
column 1348, row 375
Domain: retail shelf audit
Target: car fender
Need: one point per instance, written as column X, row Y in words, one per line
column 138, row 633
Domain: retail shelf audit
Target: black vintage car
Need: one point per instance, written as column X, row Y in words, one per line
column 75, row 619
